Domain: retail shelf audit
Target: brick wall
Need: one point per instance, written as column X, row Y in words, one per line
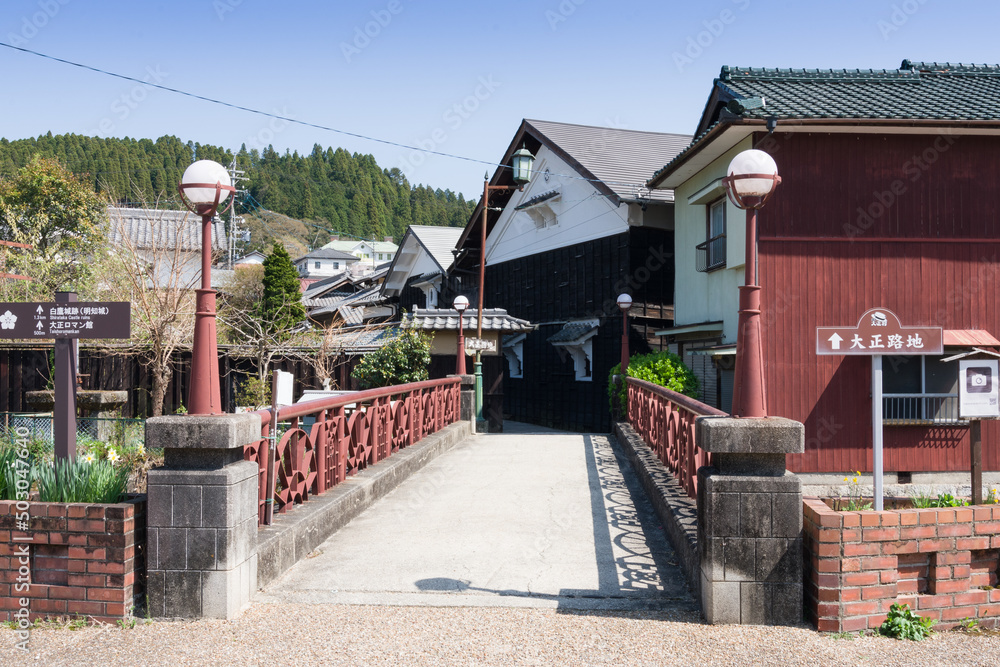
column 85, row 560
column 944, row 563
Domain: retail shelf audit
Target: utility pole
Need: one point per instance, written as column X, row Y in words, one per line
column 235, row 221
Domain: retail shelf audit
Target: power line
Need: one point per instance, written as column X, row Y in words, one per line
column 317, row 126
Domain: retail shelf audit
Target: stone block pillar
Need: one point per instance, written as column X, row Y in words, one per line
column 202, row 516
column 468, row 398
column 750, row 521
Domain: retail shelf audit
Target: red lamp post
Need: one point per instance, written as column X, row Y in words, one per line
column 753, row 177
column 624, row 303
column 204, row 186
column 460, row 304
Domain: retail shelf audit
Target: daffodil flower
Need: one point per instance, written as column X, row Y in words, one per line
column 89, row 458
column 112, row 455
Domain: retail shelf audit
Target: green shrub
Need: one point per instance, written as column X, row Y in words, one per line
column 665, row 369
column 903, row 623
column 254, row 393
column 9, row 464
column 406, row 358
column 81, row 481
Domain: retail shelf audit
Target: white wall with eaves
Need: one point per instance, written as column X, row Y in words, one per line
column 712, row 296
column 580, row 213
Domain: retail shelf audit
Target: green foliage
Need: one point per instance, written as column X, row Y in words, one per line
column 44, row 205
column 665, row 369
column 254, row 393
column 281, row 308
column 406, row 358
column 921, row 501
column 343, row 192
column 855, row 500
column 81, row 481
column 10, row 463
column 903, row 623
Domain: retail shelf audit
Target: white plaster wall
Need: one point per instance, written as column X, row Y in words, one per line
column 714, row 296
column 582, row 214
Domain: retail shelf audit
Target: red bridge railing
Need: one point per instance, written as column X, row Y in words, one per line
column 349, row 433
column 665, row 421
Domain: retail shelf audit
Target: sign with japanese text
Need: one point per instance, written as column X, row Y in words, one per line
column 879, row 332
column 66, row 320
column 480, row 345
column 978, row 393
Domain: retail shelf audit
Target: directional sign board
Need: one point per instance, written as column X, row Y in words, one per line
column 479, row 345
column 879, row 332
column 65, row 320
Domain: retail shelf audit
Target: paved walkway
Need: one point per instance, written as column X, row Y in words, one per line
column 529, row 518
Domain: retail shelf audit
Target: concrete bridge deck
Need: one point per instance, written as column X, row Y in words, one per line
column 528, row 518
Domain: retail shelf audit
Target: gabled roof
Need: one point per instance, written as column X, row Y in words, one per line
column 327, row 253
column 916, row 93
column 152, row 228
column 437, row 243
column 617, row 162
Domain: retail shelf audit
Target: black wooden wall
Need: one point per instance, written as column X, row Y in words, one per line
column 581, row 281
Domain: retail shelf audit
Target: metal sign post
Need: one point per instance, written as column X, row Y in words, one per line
column 878, row 333
column 66, row 320
column 877, row 471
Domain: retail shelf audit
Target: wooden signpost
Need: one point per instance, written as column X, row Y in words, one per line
column 878, row 333
column 66, row 320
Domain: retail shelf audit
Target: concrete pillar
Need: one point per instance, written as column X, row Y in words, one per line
column 468, row 399
column 750, row 521
column 202, row 516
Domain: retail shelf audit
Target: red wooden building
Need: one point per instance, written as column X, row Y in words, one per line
column 889, row 198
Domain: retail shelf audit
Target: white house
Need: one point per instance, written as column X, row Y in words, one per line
column 422, row 262
column 372, row 252
column 323, row 263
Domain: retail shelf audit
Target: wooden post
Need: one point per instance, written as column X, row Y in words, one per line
column 976, row 457
column 64, row 415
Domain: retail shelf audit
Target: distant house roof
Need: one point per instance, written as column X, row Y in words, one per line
column 254, row 257
column 442, row 319
column 152, row 228
column 437, row 243
column 932, row 92
column 327, row 253
column 348, row 246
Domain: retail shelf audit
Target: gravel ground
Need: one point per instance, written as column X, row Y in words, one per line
column 376, row 635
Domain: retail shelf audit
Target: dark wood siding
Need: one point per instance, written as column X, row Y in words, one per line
column 911, row 259
column 576, row 282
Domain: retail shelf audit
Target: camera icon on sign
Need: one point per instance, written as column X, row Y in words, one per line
column 979, row 380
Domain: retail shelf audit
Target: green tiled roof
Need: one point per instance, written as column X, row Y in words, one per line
column 915, row 91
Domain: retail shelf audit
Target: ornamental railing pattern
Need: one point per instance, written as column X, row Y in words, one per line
column 665, row 420
column 323, row 442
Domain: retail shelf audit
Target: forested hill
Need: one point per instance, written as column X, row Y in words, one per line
column 334, row 189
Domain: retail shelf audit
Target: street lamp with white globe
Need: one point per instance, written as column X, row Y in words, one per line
column 461, row 304
column 751, row 179
column 204, row 187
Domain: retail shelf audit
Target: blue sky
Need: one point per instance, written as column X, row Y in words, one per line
column 455, row 77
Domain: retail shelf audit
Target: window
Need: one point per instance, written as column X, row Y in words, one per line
column 336, row 265
column 711, row 254
column 919, row 390
column 319, row 265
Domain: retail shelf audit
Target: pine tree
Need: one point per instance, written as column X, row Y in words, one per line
column 281, row 307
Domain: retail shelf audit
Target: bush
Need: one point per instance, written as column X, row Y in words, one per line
column 406, row 358
column 254, row 393
column 665, row 369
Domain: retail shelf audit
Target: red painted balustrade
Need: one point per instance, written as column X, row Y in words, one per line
column 349, row 433
column 665, row 421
